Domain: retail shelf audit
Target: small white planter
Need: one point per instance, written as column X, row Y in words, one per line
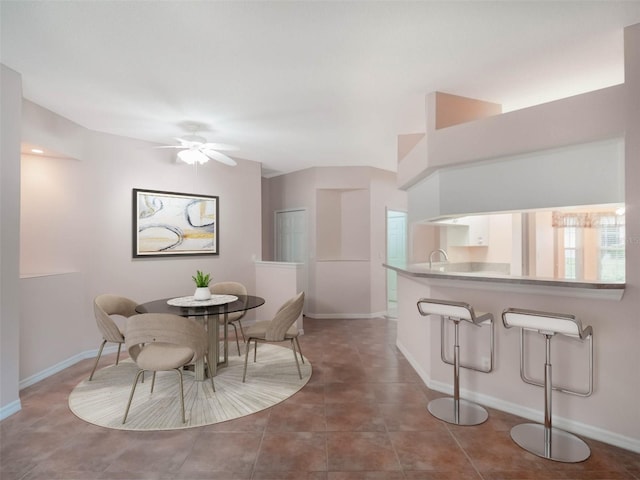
column 202, row 293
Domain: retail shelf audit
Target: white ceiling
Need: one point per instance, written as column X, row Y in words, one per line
column 296, row 84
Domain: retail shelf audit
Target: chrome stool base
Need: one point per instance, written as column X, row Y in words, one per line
column 468, row 413
column 562, row 446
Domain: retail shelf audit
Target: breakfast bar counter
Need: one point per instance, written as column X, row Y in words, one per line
column 493, row 280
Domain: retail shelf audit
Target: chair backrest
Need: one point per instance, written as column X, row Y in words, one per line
column 230, row 288
column 285, row 317
column 106, row 305
column 545, row 322
column 167, row 328
column 447, row 308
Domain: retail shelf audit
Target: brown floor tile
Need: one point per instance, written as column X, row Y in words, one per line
column 204, row 475
column 416, row 417
column 91, row 452
column 292, row 452
column 349, row 393
column 297, row 417
column 289, row 476
column 255, row 422
column 429, row 450
column 222, row 452
column 402, row 393
column 365, row 476
column 153, row 451
column 362, row 416
column 495, row 451
column 348, row 451
column 439, row 475
column 337, row 373
column 312, row 394
column 354, row 417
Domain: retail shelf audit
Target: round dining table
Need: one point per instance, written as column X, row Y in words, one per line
column 213, row 315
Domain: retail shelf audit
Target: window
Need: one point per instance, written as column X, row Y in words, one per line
column 590, row 244
column 570, row 250
column 611, row 249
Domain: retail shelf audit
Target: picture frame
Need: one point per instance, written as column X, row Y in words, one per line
column 171, row 224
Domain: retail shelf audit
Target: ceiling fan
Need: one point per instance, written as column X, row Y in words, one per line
column 196, row 149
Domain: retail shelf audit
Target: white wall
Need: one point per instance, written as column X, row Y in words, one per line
column 611, row 414
column 11, row 104
column 55, row 220
column 364, row 275
column 278, row 282
column 77, row 224
column 584, row 174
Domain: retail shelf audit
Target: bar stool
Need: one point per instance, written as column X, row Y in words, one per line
column 544, row 440
column 454, row 409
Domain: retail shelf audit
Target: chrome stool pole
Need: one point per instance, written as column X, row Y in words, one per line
column 544, row 440
column 455, row 410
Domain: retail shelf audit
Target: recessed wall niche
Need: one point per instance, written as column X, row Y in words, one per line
column 342, row 230
column 52, row 215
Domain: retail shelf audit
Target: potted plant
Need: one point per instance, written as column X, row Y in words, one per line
column 202, row 286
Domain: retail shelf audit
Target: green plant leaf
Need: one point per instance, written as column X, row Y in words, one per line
column 201, row 279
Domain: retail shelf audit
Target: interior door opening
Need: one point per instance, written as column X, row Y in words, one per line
column 396, row 255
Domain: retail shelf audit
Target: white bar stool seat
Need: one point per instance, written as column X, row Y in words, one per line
column 544, row 440
column 454, row 409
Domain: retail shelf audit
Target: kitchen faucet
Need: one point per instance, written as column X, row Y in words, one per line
column 446, row 257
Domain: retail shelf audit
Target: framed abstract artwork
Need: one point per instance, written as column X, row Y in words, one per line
column 174, row 224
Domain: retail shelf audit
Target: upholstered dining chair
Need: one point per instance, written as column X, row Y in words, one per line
column 163, row 342
column 232, row 288
column 104, row 306
column 281, row 328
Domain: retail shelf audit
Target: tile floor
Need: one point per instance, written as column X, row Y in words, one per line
column 362, row 416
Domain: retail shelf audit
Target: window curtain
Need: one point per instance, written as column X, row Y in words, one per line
column 586, row 219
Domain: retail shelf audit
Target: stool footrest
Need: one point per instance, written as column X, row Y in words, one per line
column 557, row 388
column 463, row 365
column 468, row 413
column 560, row 446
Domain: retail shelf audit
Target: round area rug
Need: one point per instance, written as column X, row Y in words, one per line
column 272, row 379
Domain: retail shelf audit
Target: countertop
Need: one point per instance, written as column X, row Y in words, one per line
column 421, row 271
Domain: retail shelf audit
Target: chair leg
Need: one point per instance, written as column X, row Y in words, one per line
column 95, row 365
column 246, row 358
column 184, row 420
column 241, row 330
column 299, row 349
column 295, row 355
column 153, row 381
column 235, row 331
column 133, row 389
column 118, row 356
column 255, row 351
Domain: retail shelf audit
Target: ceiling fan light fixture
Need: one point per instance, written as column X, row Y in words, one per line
column 192, row 156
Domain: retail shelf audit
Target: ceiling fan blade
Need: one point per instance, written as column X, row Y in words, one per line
column 221, row 157
column 170, row 146
column 188, row 143
column 219, row 146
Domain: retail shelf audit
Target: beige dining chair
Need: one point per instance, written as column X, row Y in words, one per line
column 283, row 327
column 162, row 342
column 232, row 288
column 104, row 306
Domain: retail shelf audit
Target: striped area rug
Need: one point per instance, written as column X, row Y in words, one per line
column 271, row 380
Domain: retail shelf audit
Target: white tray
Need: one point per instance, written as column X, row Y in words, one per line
column 191, row 302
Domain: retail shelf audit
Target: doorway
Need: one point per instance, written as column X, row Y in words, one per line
column 291, row 236
column 396, row 255
column 290, row 242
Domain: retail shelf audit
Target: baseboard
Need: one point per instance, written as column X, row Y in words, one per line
column 10, row 409
column 58, row 367
column 535, row 415
column 345, row 315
